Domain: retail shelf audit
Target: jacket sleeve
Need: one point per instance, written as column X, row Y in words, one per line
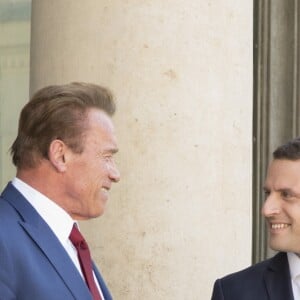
column 217, row 291
column 6, row 275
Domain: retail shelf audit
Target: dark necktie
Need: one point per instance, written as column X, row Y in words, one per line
column 85, row 261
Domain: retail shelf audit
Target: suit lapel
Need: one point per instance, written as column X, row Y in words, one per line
column 59, row 259
column 277, row 278
column 48, row 243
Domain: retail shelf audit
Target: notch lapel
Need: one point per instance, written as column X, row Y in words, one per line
column 277, row 278
column 59, row 259
column 45, row 239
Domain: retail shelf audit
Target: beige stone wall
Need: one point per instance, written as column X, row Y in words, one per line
column 14, row 76
column 182, row 75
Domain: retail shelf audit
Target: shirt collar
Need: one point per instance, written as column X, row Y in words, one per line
column 57, row 218
column 294, row 264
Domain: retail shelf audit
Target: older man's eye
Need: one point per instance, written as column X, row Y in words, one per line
column 286, row 194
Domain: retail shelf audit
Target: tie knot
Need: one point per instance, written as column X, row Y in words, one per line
column 77, row 239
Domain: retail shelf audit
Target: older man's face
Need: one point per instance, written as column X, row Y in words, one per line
column 90, row 174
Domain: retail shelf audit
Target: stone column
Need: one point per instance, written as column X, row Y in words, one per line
column 182, row 76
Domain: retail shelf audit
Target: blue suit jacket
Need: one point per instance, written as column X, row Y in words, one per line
column 33, row 263
column 268, row 280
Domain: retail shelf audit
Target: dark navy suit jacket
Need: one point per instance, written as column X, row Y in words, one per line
column 33, row 263
column 268, row 280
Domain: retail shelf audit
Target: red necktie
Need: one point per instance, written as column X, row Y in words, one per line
column 85, row 261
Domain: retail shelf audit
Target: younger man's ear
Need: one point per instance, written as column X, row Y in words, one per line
column 56, row 155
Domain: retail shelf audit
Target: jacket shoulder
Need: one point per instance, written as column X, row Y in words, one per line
column 249, row 283
column 255, row 272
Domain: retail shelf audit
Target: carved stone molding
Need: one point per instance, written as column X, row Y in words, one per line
column 276, row 96
column 16, row 57
column 14, row 62
column 260, row 120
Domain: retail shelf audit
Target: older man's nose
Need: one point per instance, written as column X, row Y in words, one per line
column 114, row 173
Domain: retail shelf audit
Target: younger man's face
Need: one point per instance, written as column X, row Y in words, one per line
column 282, row 205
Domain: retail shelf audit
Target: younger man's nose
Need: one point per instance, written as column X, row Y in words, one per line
column 271, row 206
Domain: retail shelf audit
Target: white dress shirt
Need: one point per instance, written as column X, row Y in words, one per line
column 57, row 219
column 294, row 264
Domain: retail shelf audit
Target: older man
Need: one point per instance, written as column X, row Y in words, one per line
column 65, row 168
